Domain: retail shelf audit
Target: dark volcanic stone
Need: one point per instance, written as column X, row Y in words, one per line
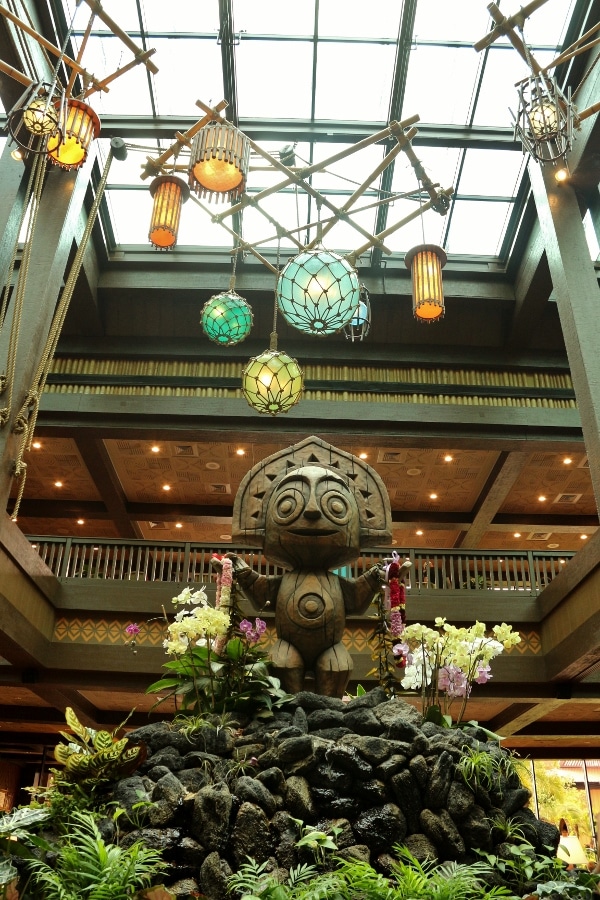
column 214, row 875
column 374, row 749
column 370, row 793
column 421, row 847
column 372, row 698
column 193, row 779
column 363, row 721
column 325, row 718
column 295, row 748
column 251, row 835
column 440, row 828
column 391, row 766
column 166, row 756
column 460, row 800
column 251, row 790
column 515, row 800
column 408, row 797
column 300, row 720
column 331, row 734
column 381, row 826
column 298, row 798
column 308, row 701
column 350, row 760
column 210, row 818
column 439, row 781
column 419, row 768
column 273, row 779
column 476, row 829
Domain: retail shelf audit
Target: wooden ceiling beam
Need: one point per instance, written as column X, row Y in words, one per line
column 506, row 470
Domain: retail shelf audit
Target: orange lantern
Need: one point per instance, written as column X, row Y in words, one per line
column 219, row 161
column 81, row 127
column 426, row 263
column 169, row 193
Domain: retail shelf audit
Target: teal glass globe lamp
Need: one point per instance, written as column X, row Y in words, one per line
column 226, row 318
column 318, row 292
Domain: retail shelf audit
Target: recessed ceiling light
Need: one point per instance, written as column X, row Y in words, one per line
column 155, row 449
column 213, row 465
column 34, row 546
column 36, row 445
column 553, row 546
column 448, row 458
column 178, row 525
column 561, row 175
column 567, row 460
column 225, row 537
column 517, row 534
column 166, row 487
column 583, row 537
column 80, row 522
column 58, row 484
column 240, row 451
column 433, row 496
column 413, row 471
column 562, row 561
column 419, row 532
column 541, row 498
column 362, row 455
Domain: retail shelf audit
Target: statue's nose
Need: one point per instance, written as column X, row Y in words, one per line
column 312, row 510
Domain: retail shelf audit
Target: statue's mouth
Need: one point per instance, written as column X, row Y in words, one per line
column 313, row 532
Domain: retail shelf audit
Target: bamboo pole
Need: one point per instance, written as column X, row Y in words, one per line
column 569, row 54
column 118, row 32
column 84, row 41
column 565, row 55
column 505, row 25
column 130, row 65
column 392, row 129
column 243, row 245
column 48, row 46
column 14, row 73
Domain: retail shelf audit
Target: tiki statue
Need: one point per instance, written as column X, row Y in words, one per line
column 311, row 508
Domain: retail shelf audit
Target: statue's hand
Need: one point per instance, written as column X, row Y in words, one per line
column 238, row 564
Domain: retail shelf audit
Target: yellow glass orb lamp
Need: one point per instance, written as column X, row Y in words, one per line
column 169, row 193
column 273, row 382
column 219, row 162
column 81, row 126
column 426, row 263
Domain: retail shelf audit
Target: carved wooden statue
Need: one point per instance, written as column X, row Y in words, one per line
column 311, row 508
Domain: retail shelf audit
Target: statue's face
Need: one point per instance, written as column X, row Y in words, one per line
column 312, row 520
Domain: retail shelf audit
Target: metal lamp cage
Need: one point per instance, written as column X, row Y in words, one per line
column 544, row 121
column 81, row 126
column 37, row 115
column 359, row 325
column 168, row 193
column 227, row 318
column 219, row 162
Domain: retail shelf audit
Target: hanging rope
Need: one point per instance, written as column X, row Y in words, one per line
column 26, row 419
column 34, row 190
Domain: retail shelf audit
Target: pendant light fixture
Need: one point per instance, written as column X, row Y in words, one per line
column 36, row 116
column 359, row 325
column 273, row 382
column 219, row 161
column 426, row 263
column 227, row 318
column 79, row 128
column 169, row 193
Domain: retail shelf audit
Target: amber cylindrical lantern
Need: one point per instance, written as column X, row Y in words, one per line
column 169, row 193
column 219, row 161
column 426, row 263
column 80, row 128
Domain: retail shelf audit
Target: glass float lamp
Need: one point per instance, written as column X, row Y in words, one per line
column 79, row 128
column 36, row 115
column 226, row 318
column 168, row 193
column 318, row 292
column 219, row 161
column 426, row 263
column 272, row 383
column 544, row 121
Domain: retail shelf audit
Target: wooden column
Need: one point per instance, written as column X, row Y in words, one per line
column 578, row 299
column 60, row 207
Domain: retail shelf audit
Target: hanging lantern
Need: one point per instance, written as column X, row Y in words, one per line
column 81, row 127
column 35, row 116
column 169, row 193
column 272, row 382
column 426, row 263
column 544, row 121
column 226, row 318
column 359, row 325
column 219, row 161
column 318, row 292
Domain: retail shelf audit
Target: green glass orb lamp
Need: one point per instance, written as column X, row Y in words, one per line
column 226, row 318
column 273, row 382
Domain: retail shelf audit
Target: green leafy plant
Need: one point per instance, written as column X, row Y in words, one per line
column 88, row 867
column 524, row 869
column 505, row 829
column 583, row 886
column 253, row 882
column 316, row 841
column 480, row 768
column 93, row 757
column 17, row 840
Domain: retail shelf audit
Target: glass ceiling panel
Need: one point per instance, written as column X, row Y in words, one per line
column 103, row 56
column 548, row 24
column 287, row 208
column 491, row 172
column 427, row 228
column 364, row 96
column 281, row 88
column 441, row 21
column 440, row 84
column 347, row 173
column 190, row 17
column 477, row 227
column 440, row 164
column 176, row 95
column 355, row 18
column 273, row 17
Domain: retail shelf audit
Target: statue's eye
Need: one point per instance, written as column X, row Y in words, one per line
column 289, row 505
column 336, row 507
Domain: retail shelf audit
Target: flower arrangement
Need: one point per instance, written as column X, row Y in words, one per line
column 216, row 665
column 443, row 663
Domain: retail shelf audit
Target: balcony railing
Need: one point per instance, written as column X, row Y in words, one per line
column 445, row 570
